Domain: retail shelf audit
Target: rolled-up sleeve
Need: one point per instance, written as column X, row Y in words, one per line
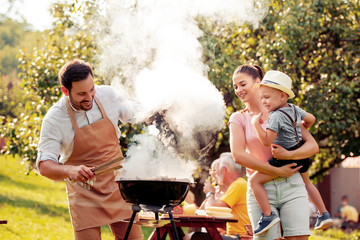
column 50, row 143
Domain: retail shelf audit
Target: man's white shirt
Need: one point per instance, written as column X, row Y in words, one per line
column 57, row 133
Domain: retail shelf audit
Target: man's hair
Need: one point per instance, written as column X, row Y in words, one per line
column 227, row 161
column 74, row 71
column 214, row 164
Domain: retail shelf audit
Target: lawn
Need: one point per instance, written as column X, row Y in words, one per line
column 36, row 208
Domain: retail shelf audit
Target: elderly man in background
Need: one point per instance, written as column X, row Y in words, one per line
column 234, row 197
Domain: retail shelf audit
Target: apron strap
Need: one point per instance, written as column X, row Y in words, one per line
column 293, row 123
column 72, row 116
column 100, row 107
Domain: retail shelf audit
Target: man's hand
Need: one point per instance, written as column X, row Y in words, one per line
column 56, row 171
column 208, row 187
column 287, row 170
column 80, row 173
column 256, row 119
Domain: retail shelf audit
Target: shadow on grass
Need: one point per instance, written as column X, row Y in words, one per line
column 41, row 208
column 21, row 184
column 6, row 227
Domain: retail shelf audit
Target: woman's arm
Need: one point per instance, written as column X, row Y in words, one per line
column 238, row 146
column 307, row 150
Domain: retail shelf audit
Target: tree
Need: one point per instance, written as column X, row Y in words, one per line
column 317, row 44
column 68, row 40
column 38, row 74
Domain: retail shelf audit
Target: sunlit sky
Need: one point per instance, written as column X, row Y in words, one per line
column 36, row 12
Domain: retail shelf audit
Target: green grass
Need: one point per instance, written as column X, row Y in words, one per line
column 334, row 234
column 34, row 206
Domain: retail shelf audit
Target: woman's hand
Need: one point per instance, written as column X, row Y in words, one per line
column 287, row 170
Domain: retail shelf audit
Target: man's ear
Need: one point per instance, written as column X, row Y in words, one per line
column 65, row 91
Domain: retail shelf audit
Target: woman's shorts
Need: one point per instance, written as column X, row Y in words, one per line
column 288, row 198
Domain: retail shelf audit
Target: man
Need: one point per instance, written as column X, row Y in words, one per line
column 234, row 198
column 78, row 133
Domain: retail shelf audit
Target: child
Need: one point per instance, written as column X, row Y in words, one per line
column 283, row 128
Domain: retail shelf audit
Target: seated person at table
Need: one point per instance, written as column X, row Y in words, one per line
column 349, row 216
column 212, row 185
column 234, row 198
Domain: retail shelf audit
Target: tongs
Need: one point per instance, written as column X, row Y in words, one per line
column 100, row 169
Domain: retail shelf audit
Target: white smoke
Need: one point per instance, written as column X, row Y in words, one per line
column 151, row 49
column 149, row 158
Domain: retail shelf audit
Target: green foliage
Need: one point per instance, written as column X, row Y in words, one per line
column 13, row 35
column 11, row 98
column 68, row 40
column 39, row 69
column 317, row 44
column 227, row 47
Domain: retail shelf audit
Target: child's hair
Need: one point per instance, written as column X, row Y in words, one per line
column 254, row 71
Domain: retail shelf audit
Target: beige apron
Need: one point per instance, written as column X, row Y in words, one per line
column 95, row 144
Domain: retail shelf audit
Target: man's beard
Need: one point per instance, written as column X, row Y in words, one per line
column 80, row 105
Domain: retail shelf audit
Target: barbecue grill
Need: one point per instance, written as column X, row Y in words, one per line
column 157, row 196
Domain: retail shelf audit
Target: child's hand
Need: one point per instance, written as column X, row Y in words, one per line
column 279, row 152
column 256, row 119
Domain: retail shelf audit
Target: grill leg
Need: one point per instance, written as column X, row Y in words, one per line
column 173, row 226
column 135, row 209
column 157, row 229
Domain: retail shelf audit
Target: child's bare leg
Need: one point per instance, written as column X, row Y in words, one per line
column 256, row 183
column 313, row 193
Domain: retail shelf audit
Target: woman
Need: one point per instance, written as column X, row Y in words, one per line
column 287, row 194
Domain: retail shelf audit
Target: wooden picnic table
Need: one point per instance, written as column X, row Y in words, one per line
column 211, row 224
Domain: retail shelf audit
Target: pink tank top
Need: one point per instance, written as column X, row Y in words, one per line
column 253, row 144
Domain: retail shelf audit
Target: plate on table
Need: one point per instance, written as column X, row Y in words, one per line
column 219, row 214
column 218, row 209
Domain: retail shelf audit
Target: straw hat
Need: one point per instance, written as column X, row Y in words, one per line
column 278, row 80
